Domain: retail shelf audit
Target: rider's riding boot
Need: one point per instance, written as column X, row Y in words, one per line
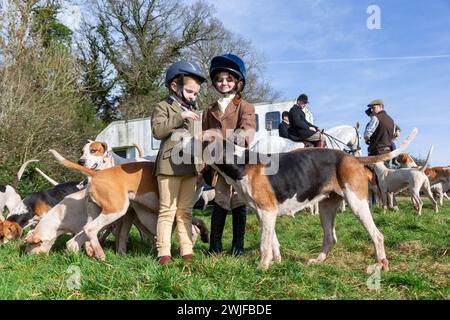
column 218, row 217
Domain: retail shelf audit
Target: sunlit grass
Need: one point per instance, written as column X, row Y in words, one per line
column 417, row 249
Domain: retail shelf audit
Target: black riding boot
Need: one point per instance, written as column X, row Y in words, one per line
column 218, row 217
column 239, row 221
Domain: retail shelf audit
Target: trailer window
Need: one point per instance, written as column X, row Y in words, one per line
column 121, row 152
column 272, row 120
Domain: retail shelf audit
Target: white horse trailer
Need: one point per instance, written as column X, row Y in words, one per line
column 268, row 117
column 121, row 135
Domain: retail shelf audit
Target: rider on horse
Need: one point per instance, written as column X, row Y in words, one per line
column 301, row 129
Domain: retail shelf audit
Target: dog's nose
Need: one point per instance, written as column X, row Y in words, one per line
column 81, row 162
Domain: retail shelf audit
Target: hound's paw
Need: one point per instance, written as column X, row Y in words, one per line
column 89, row 249
column 312, row 262
column 99, row 253
column 381, row 265
column 263, row 267
column 277, row 259
column 385, row 265
column 320, row 258
column 100, row 256
column 121, row 250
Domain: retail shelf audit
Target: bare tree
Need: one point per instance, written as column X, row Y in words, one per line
column 257, row 87
column 40, row 102
column 140, row 38
column 15, row 22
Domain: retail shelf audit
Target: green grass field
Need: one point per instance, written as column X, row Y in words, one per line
column 417, row 249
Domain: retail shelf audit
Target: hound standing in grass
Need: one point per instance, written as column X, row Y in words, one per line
column 439, row 176
column 393, row 180
column 70, row 216
column 304, row 176
column 113, row 190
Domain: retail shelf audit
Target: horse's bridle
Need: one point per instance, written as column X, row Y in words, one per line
column 349, row 151
column 358, row 146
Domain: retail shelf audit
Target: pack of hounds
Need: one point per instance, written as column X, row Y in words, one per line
column 119, row 193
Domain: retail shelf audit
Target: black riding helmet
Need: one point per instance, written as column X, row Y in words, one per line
column 229, row 63
column 303, row 97
column 183, row 68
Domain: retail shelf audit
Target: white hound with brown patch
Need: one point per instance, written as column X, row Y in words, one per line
column 394, row 180
column 113, row 190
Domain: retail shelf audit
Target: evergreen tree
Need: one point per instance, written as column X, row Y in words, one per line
column 46, row 25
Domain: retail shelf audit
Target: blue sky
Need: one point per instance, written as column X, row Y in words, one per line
column 299, row 38
column 324, row 48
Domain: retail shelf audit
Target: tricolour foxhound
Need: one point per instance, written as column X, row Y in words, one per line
column 304, row 176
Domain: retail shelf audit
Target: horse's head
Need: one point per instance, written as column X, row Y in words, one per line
column 345, row 138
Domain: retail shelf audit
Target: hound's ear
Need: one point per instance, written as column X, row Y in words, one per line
column 105, row 146
column 90, row 141
column 2, row 234
column 16, row 231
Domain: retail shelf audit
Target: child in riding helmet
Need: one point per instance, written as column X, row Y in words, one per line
column 232, row 113
column 176, row 182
